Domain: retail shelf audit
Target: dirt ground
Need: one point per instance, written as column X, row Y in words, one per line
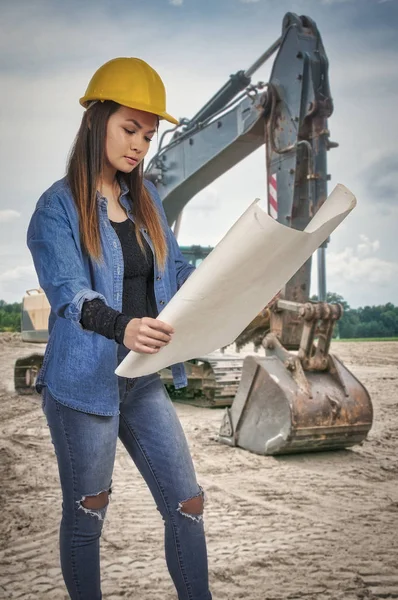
column 321, row 526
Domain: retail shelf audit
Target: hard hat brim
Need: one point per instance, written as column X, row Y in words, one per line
column 85, row 101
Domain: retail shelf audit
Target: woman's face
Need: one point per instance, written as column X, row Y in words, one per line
column 128, row 136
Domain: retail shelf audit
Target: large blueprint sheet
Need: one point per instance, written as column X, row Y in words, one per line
column 233, row 284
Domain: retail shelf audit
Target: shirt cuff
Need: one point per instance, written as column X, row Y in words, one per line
column 74, row 309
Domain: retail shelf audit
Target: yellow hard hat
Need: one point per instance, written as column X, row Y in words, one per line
column 130, row 82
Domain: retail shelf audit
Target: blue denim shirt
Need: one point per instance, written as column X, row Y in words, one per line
column 79, row 365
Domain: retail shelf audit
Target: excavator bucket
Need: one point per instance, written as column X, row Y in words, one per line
column 280, row 408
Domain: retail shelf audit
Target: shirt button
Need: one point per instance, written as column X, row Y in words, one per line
column 118, row 270
column 115, row 244
column 161, row 302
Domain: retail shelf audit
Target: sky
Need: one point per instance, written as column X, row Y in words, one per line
column 49, row 50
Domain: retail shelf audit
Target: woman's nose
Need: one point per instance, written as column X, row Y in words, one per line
column 136, row 144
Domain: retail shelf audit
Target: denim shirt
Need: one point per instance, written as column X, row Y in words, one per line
column 79, row 365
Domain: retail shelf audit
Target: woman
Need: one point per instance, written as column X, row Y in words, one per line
column 108, row 263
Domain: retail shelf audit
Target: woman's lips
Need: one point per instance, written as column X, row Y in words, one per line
column 131, row 161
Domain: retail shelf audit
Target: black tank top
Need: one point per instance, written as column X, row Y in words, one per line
column 138, row 293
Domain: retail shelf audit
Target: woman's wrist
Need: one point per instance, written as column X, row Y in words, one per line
column 104, row 320
column 120, row 325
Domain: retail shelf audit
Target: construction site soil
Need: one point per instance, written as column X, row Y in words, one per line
column 322, row 525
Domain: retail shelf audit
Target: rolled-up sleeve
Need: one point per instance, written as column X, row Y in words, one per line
column 59, row 264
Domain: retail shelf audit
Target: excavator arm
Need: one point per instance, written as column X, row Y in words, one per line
column 289, row 116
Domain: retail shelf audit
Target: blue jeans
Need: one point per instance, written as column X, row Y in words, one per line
column 85, row 446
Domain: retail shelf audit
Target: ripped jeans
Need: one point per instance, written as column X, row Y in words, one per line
column 85, row 446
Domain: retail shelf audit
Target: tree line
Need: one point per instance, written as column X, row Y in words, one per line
column 10, row 316
column 363, row 322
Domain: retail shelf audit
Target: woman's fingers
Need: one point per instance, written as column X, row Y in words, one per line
column 151, row 341
column 157, row 325
column 147, row 335
column 146, row 349
column 154, row 334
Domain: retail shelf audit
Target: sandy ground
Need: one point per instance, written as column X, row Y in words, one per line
column 321, row 526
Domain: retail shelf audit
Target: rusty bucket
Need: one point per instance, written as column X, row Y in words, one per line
column 280, row 408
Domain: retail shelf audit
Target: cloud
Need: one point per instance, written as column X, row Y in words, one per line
column 30, row 29
column 8, row 215
column 201, row 219
column 366, row 247
column 336, row 1
column 17, row 273
column 358, row 267
column 176, row 2
column 360, row 274
column 14, row 282
column 381, row 177
column 205, row 201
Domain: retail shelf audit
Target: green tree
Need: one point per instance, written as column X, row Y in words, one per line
column 10, row 316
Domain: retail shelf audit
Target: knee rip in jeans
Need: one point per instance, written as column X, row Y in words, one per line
column 95, row 505
column 192, row 508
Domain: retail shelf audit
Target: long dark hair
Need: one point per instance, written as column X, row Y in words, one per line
column 85, row 166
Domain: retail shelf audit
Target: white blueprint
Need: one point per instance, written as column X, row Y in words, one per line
column 232, row 285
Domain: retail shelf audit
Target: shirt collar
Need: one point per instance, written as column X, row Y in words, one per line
column 123, row 186
column 124, row 191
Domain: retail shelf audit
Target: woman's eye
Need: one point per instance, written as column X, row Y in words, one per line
column 131, row 132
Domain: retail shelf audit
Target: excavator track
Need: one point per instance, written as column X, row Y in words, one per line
column 25, row 373
column 213, row 380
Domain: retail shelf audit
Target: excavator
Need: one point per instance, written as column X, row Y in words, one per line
column 297, row 397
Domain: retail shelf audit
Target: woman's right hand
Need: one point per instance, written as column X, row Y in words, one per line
column 147, row 335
